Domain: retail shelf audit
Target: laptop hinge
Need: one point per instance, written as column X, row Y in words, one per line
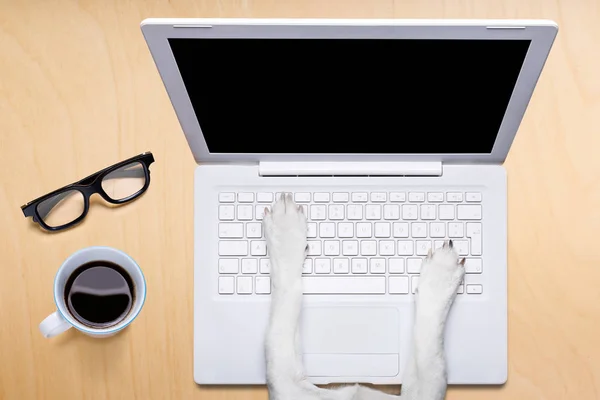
column 349, row 168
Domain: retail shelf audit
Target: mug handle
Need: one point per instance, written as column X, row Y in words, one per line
column 54, row 324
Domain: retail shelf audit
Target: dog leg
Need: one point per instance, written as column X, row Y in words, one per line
column 441, row 274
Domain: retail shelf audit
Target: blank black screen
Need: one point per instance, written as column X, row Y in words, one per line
column 349, row 95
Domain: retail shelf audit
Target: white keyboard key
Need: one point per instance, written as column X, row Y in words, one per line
column 378, row 197
column 336, row 211
column 414, row 284
column 456, row 230
column 322, row 265
column 368, row 248
column 473, row 266
column 226, row 213
column 246, row 197
column 359, row 265
column 249, row 266
column 226, row 197
column 345, row 229
column 311, row 230
column 258, row 248
column 360, row 197
column 226, row 284
column 391, row 211
column 428, row 211
column 454, row 197
column 377, row 265
column 382, row 230
column 350, row 247
column 461, row 289
column 233, row 248
column 423, row 247
column 307, row 266
column 327, row 229
column 331, row 248
column 397, row 197
column 437, row 229
column 373, row 211
column 244, row 213
column 438, row 244
column 400, row 229
column 413, row 265
column 462, row 247
column 418, row 229
column 474, row 289
column 355, row 211
column 263, row 285
column 302, row 197
column 469, row 212
column 474, row 232
column 446, row 211
column 254, row 229
column 398, row 285
column 396, row 265
column 228, row 265
column 264, row 197
column 314, row 247
column 318, row 212
column 341, row 266
column 363, row 230
column 321, row 197
column 341, row 197
column 231, row 230
column 265, row 266
column 387, row 248
column 343, row 285
column 405, row 248
column 416, row 197
column 260, row 212
column 410, row 212
column 244, row 285
column 472, row 197
column 435, row 197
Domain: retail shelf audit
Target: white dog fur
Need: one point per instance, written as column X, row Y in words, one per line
column 425, row 376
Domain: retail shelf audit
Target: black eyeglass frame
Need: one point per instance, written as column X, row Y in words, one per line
column 88, row 186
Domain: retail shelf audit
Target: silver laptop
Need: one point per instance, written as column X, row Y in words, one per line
column 392, row 135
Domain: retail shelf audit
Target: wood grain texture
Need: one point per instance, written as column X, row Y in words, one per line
column 79, row 91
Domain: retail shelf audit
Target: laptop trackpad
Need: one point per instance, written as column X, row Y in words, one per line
column 351, row 341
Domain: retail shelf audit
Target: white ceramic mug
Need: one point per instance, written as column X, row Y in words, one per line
column 61, row 320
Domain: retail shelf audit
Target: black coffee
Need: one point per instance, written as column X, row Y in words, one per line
column 99, row 294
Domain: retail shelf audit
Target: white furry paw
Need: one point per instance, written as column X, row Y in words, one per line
column 441, row 274
column 285, row 231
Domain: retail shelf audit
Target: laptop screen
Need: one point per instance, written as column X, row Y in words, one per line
column 352, row 96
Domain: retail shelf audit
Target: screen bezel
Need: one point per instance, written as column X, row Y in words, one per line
column 541, row 33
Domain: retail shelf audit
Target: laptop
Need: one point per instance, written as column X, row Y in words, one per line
column 392, row 135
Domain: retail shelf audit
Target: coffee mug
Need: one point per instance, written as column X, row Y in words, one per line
column 98, row 291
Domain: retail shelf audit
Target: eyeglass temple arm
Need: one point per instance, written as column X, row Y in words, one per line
column 46, row 206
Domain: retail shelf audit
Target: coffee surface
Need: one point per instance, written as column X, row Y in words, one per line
column 99, row 294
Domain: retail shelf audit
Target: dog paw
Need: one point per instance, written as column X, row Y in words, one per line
column 441, row 274
column 285, row 231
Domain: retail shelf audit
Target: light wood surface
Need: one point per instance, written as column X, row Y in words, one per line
column 79, row 91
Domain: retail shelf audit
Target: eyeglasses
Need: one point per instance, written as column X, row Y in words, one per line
column 120, row 183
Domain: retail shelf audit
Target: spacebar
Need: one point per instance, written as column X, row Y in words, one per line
column 343, row 284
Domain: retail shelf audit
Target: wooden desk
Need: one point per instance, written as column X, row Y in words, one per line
column 79, row 91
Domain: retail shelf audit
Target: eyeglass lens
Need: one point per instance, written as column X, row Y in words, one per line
column 124, row 181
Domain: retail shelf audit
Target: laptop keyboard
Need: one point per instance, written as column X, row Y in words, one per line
column 358, row 242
